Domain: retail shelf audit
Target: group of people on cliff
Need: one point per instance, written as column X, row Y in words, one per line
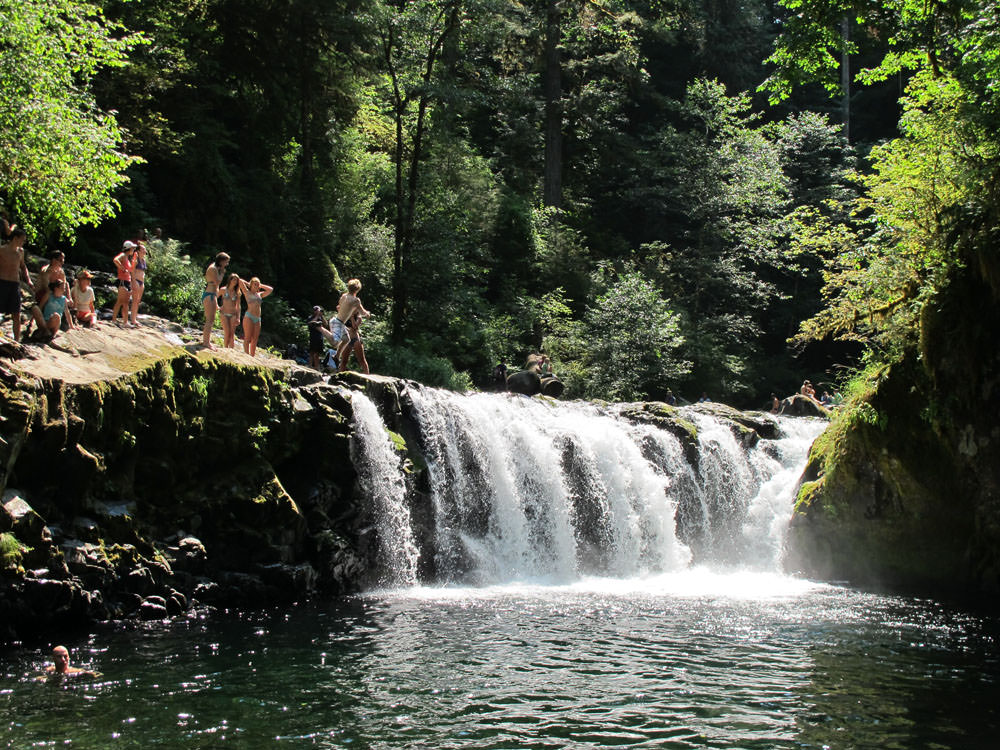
column 225, row 296
column 53, row 302
column 342, row 332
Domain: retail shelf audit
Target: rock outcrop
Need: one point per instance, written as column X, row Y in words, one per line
column 140, row 477
column 903, row 490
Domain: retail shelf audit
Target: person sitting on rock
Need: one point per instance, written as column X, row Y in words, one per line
column 500, row 377
column 82, row 295
column 53, row 271
column 775, row 404
column 54, row 311
column 808, row 390
column 60, row 664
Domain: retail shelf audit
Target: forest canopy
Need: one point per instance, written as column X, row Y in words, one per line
column 712, row 196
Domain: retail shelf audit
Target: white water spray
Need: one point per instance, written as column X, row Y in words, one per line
column 526, row 490
column 380, row 474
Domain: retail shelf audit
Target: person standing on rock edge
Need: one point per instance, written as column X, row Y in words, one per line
column 213, row 283
column 315, row 325
column 124, row 262
column 340, row 325
column 231, row 311
column 253, row 293
column 354, row 344
column 138, row 282
column 12, row 270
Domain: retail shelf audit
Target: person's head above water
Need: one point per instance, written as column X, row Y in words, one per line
column 60, row 659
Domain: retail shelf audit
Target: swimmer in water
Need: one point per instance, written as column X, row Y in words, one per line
column 60, row 665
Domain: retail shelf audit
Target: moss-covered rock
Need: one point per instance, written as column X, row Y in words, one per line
column 184, row 479
column 903, row 489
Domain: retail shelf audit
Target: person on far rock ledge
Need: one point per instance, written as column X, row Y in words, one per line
column 209, row 298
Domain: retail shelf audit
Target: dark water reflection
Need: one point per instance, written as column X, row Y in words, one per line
column 687, row 661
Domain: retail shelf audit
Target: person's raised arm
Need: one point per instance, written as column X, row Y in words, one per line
column 244, row 287
column 265, row 290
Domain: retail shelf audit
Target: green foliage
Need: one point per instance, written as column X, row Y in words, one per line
column 884, row 272
column 11, row 551
column 62, row 156
column 403, row 144
column 282, row 325
column 199, row 387
column 258, row 433
column 175, row 282
column 406, row 362
column 627, row 345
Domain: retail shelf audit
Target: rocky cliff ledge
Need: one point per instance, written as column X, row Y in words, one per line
column 140, row 475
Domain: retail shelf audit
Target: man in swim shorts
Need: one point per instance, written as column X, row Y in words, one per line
column 341, row 324
column 12, row 270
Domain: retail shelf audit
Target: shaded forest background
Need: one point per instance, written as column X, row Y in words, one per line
column 604, row 180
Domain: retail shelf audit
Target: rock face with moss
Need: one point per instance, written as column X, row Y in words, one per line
column 190, row 478
column 903, row 490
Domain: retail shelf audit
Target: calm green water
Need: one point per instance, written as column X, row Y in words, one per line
column 687, row 660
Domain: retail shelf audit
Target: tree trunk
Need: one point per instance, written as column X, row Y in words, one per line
column 845, row 76
column 552, row 189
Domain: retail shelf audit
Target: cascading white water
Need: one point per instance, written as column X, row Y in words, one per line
column 530, row 490
column 380, row 474
column 524, row 489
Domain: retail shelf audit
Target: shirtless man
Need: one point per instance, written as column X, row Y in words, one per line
column 60, row 664
column 341, row 325
column 54, row 271
column 12, row 270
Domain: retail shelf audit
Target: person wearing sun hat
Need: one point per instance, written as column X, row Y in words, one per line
column 83, row 299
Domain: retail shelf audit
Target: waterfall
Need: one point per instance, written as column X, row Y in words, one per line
column 380, row 474
column 533, row 490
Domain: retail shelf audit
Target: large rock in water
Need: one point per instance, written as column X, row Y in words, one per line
column 903, row 490
column 803, row 406
column 525, row 382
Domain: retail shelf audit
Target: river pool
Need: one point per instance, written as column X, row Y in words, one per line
column 692, row 659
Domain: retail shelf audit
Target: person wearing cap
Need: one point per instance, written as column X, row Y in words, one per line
column 82, row 295
column 124, row 262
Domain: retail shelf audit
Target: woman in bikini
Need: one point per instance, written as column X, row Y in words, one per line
column 124, row 264
column 213, row 282
column 231, row 310
column 138, row 282
column 254, row 292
